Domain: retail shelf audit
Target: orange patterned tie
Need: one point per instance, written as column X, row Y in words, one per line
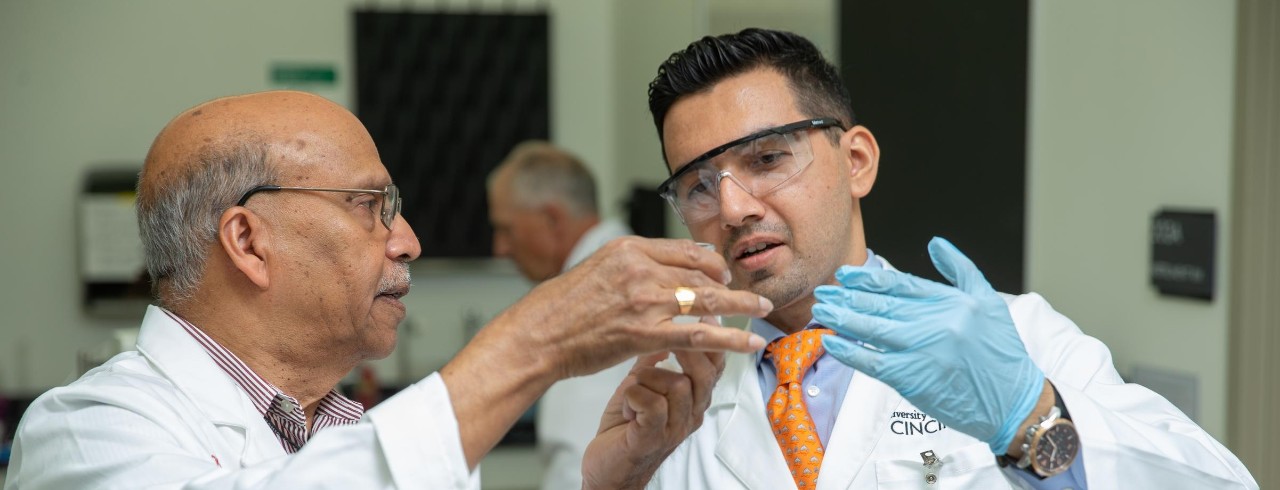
column 788, row 414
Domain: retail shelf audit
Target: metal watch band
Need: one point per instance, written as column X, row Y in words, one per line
column 1059, row 410
column 1032, row 430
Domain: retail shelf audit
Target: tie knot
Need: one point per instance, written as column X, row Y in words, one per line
column 794, row 354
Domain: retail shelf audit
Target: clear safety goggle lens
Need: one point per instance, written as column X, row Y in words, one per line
column 760, row 166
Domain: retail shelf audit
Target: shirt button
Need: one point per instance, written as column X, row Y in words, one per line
column 814, row 391
column 286, row 406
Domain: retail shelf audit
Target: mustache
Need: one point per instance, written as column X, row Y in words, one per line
column 398, row 280
column 738, row 233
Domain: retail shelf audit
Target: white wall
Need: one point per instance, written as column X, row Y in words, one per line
column 1130, row 111
column 647, row 33
column 816, row 20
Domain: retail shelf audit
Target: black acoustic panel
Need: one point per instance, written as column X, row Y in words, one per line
column 647, row 212
column 446, row 96
column 943, row 86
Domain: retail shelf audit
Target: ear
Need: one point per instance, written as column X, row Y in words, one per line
column 860, row 150
column 557, row 216
column 242, row 236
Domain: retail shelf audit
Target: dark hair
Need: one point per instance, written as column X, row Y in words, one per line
column 814, row 81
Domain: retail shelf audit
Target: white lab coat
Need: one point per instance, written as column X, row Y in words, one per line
column 569, row 413
column 1132, row 438
column 166, row 416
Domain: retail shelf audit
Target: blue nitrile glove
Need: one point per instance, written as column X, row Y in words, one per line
column 953, row 352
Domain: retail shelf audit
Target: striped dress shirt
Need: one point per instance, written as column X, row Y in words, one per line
column 283, row 413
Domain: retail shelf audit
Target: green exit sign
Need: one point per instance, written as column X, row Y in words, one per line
column 295, row 74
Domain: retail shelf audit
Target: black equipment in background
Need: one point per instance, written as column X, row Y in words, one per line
column 647, row 212
column 446, row 96
column 943, row 86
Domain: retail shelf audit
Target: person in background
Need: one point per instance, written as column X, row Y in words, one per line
column 544, row 211
column 545, row 217
column 873, row 378
column 274, row 234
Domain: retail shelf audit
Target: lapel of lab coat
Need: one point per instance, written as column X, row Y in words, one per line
column 178, row 357
column 746, row 445
column 863, row 420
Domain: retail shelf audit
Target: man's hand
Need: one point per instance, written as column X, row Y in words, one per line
column 619, row 303
column 650, row 414
column 953, row 352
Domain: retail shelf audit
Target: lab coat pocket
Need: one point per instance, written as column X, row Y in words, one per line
column 970, row 466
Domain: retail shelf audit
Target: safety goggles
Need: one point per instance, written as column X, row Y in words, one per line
column 760, row 163
column 390, row 206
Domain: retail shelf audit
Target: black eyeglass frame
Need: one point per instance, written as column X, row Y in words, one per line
column 388, row 193
column 822, row 122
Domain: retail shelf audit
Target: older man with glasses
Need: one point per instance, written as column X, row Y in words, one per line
column 274, row 236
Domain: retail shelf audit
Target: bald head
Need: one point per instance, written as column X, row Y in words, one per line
column 211, row 154
column 275, row 120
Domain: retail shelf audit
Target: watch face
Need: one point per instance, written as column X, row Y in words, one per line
column 1055, row 448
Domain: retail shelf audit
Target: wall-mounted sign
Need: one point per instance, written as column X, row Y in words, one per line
column 1183, row 246
column 303, row 75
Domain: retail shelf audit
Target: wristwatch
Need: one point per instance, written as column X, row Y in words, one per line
column 1050, row 446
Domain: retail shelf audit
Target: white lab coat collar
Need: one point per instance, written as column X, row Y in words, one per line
column 595, row 237
column 180, row 358
column 748, row 429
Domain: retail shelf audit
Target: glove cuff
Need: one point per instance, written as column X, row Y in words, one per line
column 999, row 444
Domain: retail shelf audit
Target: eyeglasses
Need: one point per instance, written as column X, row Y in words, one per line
column 390, row 197
column 760, row 163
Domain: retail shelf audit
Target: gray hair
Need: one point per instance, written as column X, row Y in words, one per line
column 541, row 172
column 178, row 218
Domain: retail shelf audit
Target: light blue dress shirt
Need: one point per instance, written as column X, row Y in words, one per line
column 826, row 383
